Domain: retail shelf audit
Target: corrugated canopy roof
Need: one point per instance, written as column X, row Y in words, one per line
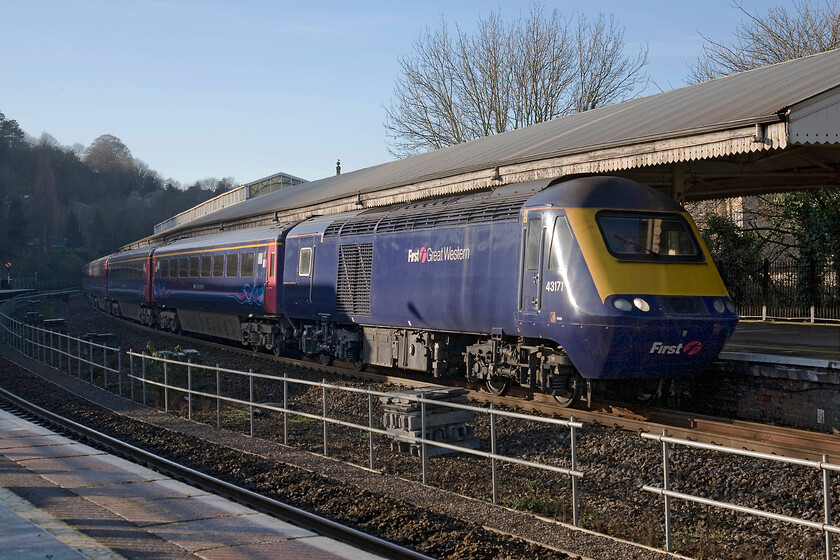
column 632, row 130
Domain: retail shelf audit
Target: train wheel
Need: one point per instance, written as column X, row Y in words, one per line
column 647, row 391
column 568, row 394
column 325, row 359
column 359, row 365
column 498, row 385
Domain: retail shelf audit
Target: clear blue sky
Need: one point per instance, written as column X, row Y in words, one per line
column 199, row 88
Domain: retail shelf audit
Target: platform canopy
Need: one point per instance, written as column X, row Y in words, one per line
column 773, row 129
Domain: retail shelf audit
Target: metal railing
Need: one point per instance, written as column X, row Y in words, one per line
column 790, row 290
column 62, row 351
column 80, row 357
column 825, row 466
column 141, row 374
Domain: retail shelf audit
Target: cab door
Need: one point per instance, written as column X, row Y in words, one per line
column 531, row 266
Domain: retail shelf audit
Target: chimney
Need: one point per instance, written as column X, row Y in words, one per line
column 338, row 167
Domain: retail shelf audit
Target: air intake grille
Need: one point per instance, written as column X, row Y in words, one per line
column 432, row 214
column 355, row 263
column 682, row 305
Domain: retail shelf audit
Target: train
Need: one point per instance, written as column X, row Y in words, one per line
column 547, row 284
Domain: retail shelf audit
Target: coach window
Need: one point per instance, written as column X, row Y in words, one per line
column 232, row 268
column 218, row 265
column 163, row 269
column 184, row 267
column 205, row 266
column 194, row 267
column 247, row 265
column 305, row 261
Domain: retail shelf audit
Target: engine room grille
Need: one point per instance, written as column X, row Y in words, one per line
column 431, row 214
column 355, row 263
column 682, row 305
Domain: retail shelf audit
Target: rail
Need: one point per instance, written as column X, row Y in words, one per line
column 320, row 525
column 50, row 347
column 825, row 466
column 423, row 441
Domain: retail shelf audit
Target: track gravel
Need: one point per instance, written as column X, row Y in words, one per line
column 436, row 519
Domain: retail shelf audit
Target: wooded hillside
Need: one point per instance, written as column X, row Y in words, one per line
column 62, row 206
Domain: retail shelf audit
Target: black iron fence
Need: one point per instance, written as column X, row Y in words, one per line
column 796, row 290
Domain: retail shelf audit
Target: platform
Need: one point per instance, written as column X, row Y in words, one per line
column 9, row 294
column 805, row 344
column 64, row 500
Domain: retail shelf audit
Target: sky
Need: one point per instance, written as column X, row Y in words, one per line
column 247, row 88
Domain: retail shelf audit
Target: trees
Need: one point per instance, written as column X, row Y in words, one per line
column 62, row 206
column 457, row 87
column 804, row 226
column 810, row 27
column 108, row 153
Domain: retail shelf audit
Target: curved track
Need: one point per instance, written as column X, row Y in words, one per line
column 219, row 487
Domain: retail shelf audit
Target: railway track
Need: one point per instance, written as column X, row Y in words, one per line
column 763, row 438
column 296, row 516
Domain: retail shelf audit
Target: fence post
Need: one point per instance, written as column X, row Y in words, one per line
column 370, row 425
column 765, row 288
column 52, row 349
column 144, row 378
column 60, row 362
column 165, row 387
column 131, row 371
column 285, row 408
column 326, row 433
column 493, row 463
column 575, row 513
column 90, row 359
column 251, row 399
column 666, row 485
column 79, row 357
column 189, row 388
column 119, row 368
column 423, row 444
column 104, row 367
column 218, row 397
column 829, row 538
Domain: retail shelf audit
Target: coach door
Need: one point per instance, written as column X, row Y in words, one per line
column 531, row 265
column 271, row 280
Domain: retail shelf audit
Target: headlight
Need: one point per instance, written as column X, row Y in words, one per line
column 720, row 307
column 730, row 306
column 622, row 304
column 641, row 304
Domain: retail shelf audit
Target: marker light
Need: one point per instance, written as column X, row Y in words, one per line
column 720, row 307
column 622, row 304
column 641, row 304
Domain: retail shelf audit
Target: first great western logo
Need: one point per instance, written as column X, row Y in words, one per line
column 427, row 254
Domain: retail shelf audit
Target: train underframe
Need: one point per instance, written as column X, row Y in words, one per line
column 498, row 361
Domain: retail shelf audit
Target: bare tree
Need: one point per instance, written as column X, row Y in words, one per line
column 810, row 27
column 605, row 75
column 458, row 87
